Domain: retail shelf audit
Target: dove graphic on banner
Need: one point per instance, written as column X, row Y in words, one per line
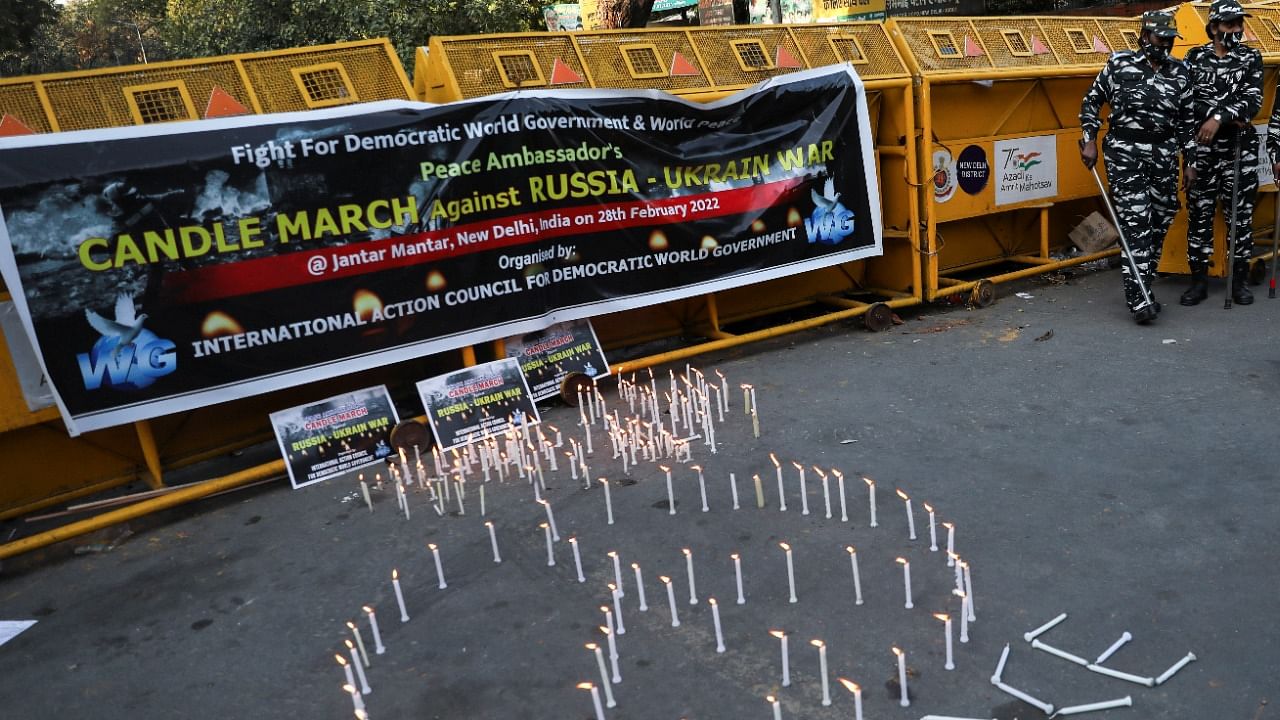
column 127, row 355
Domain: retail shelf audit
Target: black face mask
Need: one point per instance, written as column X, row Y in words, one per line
column 1155, row 53
column 1231, row 40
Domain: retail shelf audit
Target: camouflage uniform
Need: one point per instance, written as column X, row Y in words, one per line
column 1151, row 121
column 1229, row 90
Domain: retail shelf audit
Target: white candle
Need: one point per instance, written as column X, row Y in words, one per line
column 911, row 518
column 551, row 552
column 755, row 423
column 746, row 399
column 1125, row 701
column 715, row 617
column 946, row 619
column 1046, row 708
column 759, row 491
column 595, row 698
column 355, row 660
column 933, row 530
column 355, row 631
column 857, row 696
column 804, row 490
column 782, row 494
column 608, row 501
column 1173, row 669
column 378, row 647
column 826, row 490
column 964, row 618
column 959, row 571
column 493, row 538
column 644, row 607
column 551, row 519
column 822, row 664
column 906, row 580
column 1136, row 679
column 346, row 669
column 435, row 552
column 871, row 499
column 364, row 490
column 1043, row 628
column 395, row 583
column 671, row 497
column 604, row 673
column 999, row 673
column 777, row 707
column 733, row 489
column 577, row 558
column 737, row 574
column 702, row 487
column 1059, row 653
column 688, row 562
column 968, row 589
column 786, row 657
column 617, row 608
column 573, row 465
column 357, row 702
column 482, row 510
column 617, row 570
column 1126, row 637
column 857, row 580
column 461, row 510
column 904, row 700
column 844, row 510
column 404, row 499
column 951, row 543
column 791, row 571
column 671, row 599
column 752, row 388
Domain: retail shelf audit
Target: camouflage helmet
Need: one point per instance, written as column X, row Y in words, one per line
column 1160, row 23
column 1222, row 10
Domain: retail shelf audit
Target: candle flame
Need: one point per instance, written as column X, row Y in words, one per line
column 770, row 698
column 349, row 645
column 612, row 553
column 665, row 579
column 431, row 547
column 686, row 551
column 819, row 471
column 591, row 646
column 774, row 458
column 664, row 468
column 545, row 526
column 351, row 625
column 798, row 466
column 958, row 593
column 927, row 507
column 395, row 574
column 817, row 643
column 635, row 566
column 349, row 689
column 586, row 686
column 341, row 660
column 942, row 616
column 605, row 609
column 784, row 546
column 573, row 540
column 903, row 561
column 488, row 523
column 696, row 467
column 948, row 525
column 367, row 609
column 837, row 473
column 733, row 556
column 896, row 651
column 612, row 587
column 903, row 495
column 778, row 634
column 850, row 685
column 604, row 629
column 869, row 482
column 850, row 549
column 711, row 601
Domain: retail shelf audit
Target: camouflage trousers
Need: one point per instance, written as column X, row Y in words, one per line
column 1144, row 191
column 1215, row 166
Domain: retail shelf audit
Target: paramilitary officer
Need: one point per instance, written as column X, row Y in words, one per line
column 1151, row 122
column 1227, row 77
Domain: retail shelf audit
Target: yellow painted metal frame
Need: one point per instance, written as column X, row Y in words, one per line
column 625, row 51
column 131, row 93
column 314, row 103
column 1008, row 36
column 860, row 59
column 540, row 81
column 935, row 36
column 740, row 45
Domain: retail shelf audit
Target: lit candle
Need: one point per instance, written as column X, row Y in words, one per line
column 968, row 589
column 395, row 583
column 1173, row 669
column 857, row 696
column 607, row 629
column 822, row 664
column 608, row 500
column 777, row 707
column 346, row 669
column 737, row 574
column 604, row 674
column 617, row 570
column 435, row 552
column 493, row 538
column 964, row 616
column 595, row 698
column 357, row 702
column 733, row 489
column 904, row 700
column 355, row 660
column 906, row 580
column 791, row 571
column 857, row 579
column 1126, row 637
column 826, row 490
column 364, row 490
column 617, row 608
column 871, row 499
column 671, row 599
column 551, row 553
column 461, row 510
column 786, row 657
column 378, row 647
column 759, row 492
column 951, row 543
column 671, row 496
column 724, row 389
column 933, row 530
column 688, row 562
column 746, row 398
column 804, row 490
column 945, row 618
column 911, row 518
column 715, row 617
column 644, row 607
column 355, row 631
column 577, row 558
column 782, row 494
column 573, row 464
column 702, row 487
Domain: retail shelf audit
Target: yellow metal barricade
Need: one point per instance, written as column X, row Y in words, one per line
column 42, row 465
column 705, row 64
column 998, row 100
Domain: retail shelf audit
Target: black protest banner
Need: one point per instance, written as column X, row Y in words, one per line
column 162, row 268
column 465, row 405
column 550, row 355
column 330, row 437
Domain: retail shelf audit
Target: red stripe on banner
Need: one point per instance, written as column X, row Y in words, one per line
column 307, row 266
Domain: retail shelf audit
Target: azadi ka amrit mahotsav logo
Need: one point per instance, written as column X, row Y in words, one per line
column 128, row 355
column 831, row 222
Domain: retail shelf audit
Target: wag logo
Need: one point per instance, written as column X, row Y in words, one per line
column 831, row 222
column 127, row 356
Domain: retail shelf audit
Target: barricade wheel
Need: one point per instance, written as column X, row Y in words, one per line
column 983, row 294
column 572, row 383
column 878, row 318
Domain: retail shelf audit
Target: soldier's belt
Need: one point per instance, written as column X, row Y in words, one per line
column 1142, row 136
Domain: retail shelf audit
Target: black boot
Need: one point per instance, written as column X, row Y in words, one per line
column 1240, row 294
column 1199, row 290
